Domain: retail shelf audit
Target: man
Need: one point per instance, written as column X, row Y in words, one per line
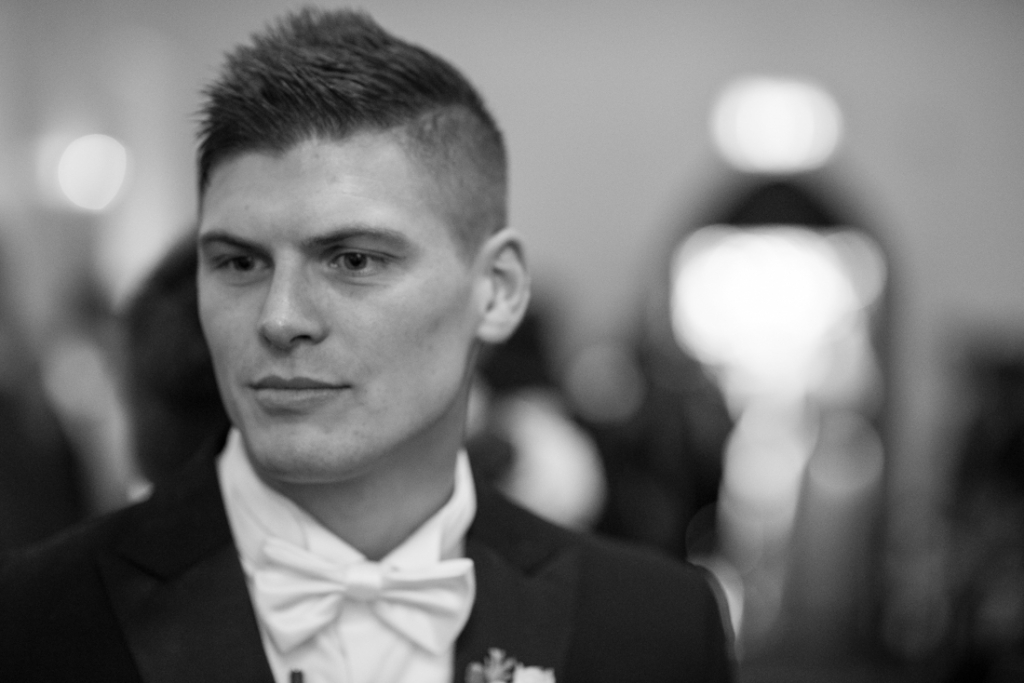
column 354, row 255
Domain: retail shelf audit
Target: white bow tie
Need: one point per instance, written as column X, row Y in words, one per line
column 298, row 593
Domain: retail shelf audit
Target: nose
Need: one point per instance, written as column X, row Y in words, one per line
column 290, row 315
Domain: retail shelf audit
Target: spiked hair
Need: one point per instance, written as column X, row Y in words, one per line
column 327, row 75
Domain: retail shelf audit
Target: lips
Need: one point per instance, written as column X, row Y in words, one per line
column 294, row 383
column 277, row 395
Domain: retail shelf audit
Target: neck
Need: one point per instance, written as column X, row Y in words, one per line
column 375, row 513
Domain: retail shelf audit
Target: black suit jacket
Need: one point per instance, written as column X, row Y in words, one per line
column 155, row 593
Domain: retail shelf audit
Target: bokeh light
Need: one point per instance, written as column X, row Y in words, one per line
column 759, row 301
column 780, row 315
column 92, row 171
column 776, row 125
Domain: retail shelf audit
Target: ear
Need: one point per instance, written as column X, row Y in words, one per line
column 503, row 286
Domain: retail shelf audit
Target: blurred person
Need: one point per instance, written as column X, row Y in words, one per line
column 354, row 256
column 78, row 366
column 522, row 436
column 173, row 402
column 987, row 508
column 660, row 425
column 664, row 458
column 42, row 486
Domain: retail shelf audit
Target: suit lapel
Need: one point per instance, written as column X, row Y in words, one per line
column 175, row 581
column 526, row 575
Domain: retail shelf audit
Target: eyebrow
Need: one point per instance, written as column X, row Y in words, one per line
column 394, row 239
column 225, row 237
column 391, row 238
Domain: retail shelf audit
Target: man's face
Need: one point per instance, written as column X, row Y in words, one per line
column 339, row 312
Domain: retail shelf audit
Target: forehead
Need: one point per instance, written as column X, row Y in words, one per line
column 316, row 185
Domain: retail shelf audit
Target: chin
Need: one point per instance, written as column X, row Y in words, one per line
column 305, row 459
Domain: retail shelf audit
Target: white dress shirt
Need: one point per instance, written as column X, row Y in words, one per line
column 357, row 647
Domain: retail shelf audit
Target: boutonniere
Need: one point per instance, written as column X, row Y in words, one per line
column 498, row 667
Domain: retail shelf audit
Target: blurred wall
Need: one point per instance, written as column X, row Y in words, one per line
column 604, row 104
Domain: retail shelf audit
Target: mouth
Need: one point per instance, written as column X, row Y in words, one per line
column 275, row 382
column 278, row 395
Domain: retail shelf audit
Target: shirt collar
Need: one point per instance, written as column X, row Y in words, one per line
column 257, row 512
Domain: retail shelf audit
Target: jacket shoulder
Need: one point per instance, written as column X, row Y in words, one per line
column 662, row 611
column 627, row 567
column 55, row 614
column 639, row 614
column 66, row 554
column 57, row 617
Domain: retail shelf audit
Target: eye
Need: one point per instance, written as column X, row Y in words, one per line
column 353, row 262
column 233, row 265
column 237, row 264
column 242, row 264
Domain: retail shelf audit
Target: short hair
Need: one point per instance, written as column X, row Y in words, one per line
column 317, row 74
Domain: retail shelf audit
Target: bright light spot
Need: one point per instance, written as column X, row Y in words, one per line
column 764, row 465
column 864, row 262
column 775, row 125
column 759, row 302
column 557, row 472
column 781, row 315
column 92, row 170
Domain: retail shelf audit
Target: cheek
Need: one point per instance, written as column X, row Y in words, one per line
column 224, row 329
column 441, row 323
column 211, row 319
column 429, row 333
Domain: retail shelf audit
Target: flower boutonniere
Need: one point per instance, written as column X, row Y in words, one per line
column 498, row 667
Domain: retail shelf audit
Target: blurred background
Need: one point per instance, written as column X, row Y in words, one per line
column 779, row 321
